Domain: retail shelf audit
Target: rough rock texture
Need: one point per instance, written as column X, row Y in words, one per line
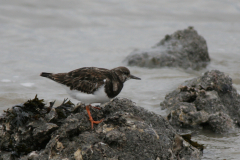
column 184, row 48
column 127, row 132
column 207, row 101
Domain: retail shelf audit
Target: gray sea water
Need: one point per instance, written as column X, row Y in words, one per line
column 62, row 35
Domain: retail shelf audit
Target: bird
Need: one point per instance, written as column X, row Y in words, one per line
column 92, row 84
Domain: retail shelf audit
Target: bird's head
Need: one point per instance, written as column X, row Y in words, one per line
column 124, row 74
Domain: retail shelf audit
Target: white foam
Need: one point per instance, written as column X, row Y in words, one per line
column 6, row 80
column 27, row 84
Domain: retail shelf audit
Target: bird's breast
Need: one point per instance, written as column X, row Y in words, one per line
column 113, row 88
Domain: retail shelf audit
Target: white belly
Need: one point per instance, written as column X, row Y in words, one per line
column 98, row 97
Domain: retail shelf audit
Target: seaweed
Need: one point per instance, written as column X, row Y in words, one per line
column 18, row 115
column 187, row 137
column 64, row 109
column 34, row 106
column 21, row 123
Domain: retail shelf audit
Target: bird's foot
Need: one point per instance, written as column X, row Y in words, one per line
column 90, row 117
column 95, row 122
column 97, row 108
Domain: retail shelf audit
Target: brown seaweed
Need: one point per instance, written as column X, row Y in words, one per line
column 187, row 137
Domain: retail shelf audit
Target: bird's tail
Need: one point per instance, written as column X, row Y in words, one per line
column 45, row 74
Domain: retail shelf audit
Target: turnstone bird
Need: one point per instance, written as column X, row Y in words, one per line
column 92, row 85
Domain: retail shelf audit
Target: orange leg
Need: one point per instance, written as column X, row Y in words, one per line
column 97, row 108
column 90, row 117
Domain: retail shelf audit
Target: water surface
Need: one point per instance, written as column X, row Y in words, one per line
column 62, row 35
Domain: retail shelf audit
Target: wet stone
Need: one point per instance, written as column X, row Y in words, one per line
column 42, row 132
column 51, row 116
column 209, row 101
column 184, row 49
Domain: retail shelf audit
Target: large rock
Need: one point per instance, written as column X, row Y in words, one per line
column 207, row 101
column 127, row 132
column 184, row 49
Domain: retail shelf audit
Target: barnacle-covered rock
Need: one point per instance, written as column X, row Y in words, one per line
column 26, row 127
column 184, row 49
column 207, row 101
column 127, row 132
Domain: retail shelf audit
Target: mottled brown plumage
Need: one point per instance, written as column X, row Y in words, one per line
column 90, row 79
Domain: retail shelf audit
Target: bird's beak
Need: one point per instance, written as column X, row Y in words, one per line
column 134, row 77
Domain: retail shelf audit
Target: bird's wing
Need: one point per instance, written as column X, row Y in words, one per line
column 87, row 79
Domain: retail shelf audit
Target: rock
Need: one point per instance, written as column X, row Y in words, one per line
column 184, row 49
column 127, row 132
column 41, row 130
column 220, row 122
column 33, row 156
column 51, row 116
column 7, row 155
column 207, row 101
